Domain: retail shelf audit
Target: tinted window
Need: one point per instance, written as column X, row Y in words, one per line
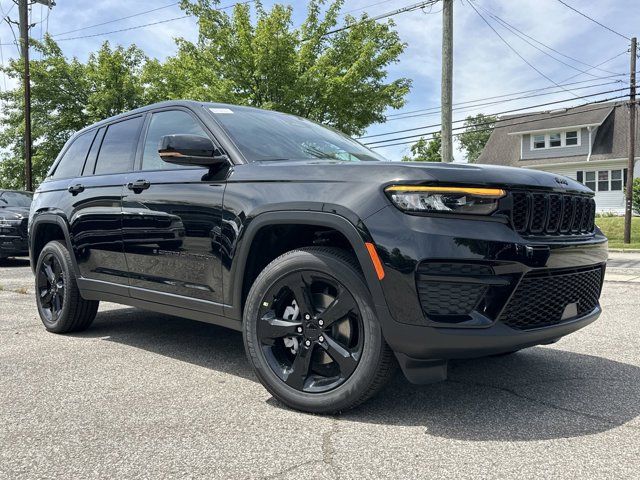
column 90, row 164
column 263, row 135
column 15, row 199
column 166, row 123
column 71, row 163
column 118, row 147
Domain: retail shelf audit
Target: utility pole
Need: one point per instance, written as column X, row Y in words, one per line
column 447, row 80
column 628, row 211
column 23, row 14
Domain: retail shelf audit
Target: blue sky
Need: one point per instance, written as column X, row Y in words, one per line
column 483, row 65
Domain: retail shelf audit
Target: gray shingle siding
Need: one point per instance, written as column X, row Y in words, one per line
column 582, row 149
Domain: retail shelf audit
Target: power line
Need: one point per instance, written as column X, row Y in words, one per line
column 521, row 92
column 497, row 102
column 115, row 20
column 515, row 51
column 500, row 122
column 409, row 8
column 520, row 33
column 492, row 114
column 135, row 27
column 594, row 20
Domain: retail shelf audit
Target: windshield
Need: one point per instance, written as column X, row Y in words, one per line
column 264, row 135
column 15, row 199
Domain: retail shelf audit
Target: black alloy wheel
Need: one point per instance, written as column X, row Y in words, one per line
column 311, row 333
column 310, row 330
column 50, row 287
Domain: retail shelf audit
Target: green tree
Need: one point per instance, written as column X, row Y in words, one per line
column 426, row 151
column 477, row 131
column 66, row 96
column 636, row 195
column 338, row 79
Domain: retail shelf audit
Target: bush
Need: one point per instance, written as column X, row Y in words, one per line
column 636, row 196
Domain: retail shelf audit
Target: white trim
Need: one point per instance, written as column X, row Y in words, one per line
column 590, row 144
column 571, row 164
column 563, row 139
column 555, row 129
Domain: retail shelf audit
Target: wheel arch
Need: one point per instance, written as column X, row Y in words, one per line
column 44, row 228
column 356, row 238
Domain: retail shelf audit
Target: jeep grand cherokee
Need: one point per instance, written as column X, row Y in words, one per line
column 334, row 263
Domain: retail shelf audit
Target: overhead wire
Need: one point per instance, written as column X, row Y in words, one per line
column 499, row 123
column 594, row 20
column 492, row 114
column 540, row 72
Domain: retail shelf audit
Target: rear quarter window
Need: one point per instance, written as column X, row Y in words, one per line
column 71, row 163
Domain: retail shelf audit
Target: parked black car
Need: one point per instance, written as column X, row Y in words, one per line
column 332, row 261
column 14, row 215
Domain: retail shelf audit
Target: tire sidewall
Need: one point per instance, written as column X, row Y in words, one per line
column 58, row 250
column 360, row 380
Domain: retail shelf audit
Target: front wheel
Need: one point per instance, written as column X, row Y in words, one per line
column 311, row 333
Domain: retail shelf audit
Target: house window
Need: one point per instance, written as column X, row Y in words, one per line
column 540, row 141
column 607, row 180
column 555, row 140
column 571, row 138
column 616, row 180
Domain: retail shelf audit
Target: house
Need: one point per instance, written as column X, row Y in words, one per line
column 586, row 143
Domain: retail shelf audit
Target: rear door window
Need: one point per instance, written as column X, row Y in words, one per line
column 72, row 161
column 119, row 147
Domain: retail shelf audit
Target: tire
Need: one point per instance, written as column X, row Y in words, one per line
column 333, row 385
column 61, row 308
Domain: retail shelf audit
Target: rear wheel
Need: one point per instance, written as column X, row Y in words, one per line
column 61, row 308
column 311, row 333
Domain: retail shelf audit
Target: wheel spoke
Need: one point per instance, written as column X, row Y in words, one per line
column 299, row 371
column 56, row 303
column 338, row 309
column 271, row 327
column 302, row 293
column 48, row 271
column 341, row 356
column 45, row 296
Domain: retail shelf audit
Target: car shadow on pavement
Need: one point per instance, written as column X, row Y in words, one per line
column 536, row 394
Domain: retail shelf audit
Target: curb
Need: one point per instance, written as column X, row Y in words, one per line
column 625, row 250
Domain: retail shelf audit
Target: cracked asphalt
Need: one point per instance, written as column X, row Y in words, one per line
column 144, row 395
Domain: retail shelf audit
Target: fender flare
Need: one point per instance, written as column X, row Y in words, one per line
column 356, row 237
column 50, row 219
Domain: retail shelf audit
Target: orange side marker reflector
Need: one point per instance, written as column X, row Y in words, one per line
column 375, row 259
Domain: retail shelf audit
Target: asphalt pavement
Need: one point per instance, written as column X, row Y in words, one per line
column 146, row 395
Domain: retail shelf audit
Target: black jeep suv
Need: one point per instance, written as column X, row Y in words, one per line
column 334, row 263
column 14, row 214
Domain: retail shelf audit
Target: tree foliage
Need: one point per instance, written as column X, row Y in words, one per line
column 477, row 131
column 426, row 151
column 636, row 195
column 247, row 57
column 66, row 96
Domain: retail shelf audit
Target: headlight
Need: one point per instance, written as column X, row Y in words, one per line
column 433, row 199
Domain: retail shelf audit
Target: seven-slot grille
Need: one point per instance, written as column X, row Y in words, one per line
column 550, row 297
column 552, row 213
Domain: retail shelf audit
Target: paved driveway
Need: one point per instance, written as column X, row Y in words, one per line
column 143, row 395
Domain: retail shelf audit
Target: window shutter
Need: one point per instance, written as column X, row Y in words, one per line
column 579, row 176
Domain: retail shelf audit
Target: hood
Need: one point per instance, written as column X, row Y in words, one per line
column 13, row 213
column 384, row 173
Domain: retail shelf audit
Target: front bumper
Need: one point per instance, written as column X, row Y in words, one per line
column 405, row 242
column 13, row 245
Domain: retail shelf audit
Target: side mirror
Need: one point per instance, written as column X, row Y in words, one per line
column 190, row 150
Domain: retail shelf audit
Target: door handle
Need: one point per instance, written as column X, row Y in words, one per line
column 76, row 189
column 139, row 185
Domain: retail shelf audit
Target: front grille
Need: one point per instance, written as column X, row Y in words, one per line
column 442, row 296
column 552, row 214
column 544, row 298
